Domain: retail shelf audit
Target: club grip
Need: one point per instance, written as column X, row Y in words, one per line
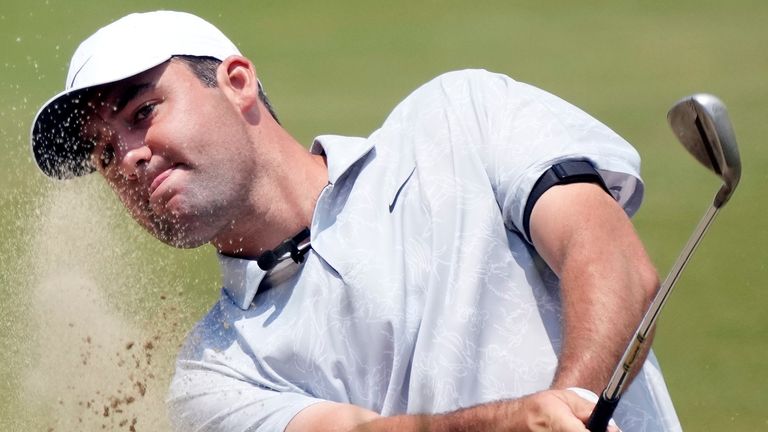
column 602, row 413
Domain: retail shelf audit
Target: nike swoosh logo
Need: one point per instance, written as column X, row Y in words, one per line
column 400, row 189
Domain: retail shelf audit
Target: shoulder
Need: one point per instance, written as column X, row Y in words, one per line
column 462, row 94
column 459, row 82
column 212, row 332
column 471, row 75
column 477, row 94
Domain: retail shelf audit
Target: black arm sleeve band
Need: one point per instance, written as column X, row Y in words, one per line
column 562, row 173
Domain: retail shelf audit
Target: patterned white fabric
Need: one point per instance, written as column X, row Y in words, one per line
column 419, row 295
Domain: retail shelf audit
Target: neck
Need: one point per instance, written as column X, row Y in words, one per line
column 281, row 203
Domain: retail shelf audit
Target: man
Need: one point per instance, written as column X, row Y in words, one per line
column 473, row 250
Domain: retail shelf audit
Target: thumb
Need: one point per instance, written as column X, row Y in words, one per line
column 581, row 402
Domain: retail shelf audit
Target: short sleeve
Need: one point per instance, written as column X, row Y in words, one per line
column 518, row 131
column 218, row 387
column 203, row 398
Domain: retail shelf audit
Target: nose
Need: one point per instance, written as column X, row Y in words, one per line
column 134, row 157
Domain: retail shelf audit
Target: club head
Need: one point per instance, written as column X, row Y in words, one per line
column 701, row 124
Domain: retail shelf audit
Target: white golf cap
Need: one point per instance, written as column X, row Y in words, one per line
column 129, row 46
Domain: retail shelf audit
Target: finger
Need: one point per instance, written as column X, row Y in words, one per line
column 564, row 421
column 580, row 407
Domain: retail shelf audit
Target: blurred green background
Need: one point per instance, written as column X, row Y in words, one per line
column 340, row 67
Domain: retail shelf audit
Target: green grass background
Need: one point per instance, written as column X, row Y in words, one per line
column 340, row 66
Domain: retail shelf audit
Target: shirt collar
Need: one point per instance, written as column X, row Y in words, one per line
column 241, row 278
column 340, row 153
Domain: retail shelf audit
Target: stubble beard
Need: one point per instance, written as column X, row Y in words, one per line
column 206, row 207
column 202, row 214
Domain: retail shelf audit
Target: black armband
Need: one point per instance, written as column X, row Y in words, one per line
column 575, row 171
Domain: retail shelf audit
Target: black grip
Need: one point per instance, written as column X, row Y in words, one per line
column 602, row 413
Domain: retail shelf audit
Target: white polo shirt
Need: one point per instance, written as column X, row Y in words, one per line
column 419, row 295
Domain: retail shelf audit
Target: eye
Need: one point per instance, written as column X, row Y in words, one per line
column 143, row 112
column 103, row 152
column 106, row 156
column 102, row 155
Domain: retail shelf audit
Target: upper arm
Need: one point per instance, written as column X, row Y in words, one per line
column 212, row 397
column 580, row 223
column 233, row 405
column 209, row 395
column 218, row 387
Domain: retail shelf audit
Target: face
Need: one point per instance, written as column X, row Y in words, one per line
column 176, row 152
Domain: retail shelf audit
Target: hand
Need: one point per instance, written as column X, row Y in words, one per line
column 555, row 411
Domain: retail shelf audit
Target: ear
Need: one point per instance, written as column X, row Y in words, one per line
column 236, row 77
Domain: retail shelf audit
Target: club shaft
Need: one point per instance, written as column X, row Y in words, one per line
column 620, row 375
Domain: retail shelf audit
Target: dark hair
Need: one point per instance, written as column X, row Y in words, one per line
column 205, row 68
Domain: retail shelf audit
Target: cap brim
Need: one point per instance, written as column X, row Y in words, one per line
column 57, row 146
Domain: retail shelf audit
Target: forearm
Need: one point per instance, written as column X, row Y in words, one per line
column 555, row 411
column 604, row 299
column 482, row 417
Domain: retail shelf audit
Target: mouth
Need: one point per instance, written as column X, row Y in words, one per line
column 160, row 178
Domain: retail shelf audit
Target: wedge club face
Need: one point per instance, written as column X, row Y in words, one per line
column 701, row 124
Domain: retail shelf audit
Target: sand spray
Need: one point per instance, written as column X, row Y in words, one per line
column 99, row 329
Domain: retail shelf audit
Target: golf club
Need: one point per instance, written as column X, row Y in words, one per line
column 701, row 124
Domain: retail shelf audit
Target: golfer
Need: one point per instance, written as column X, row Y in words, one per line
column 458, row 269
